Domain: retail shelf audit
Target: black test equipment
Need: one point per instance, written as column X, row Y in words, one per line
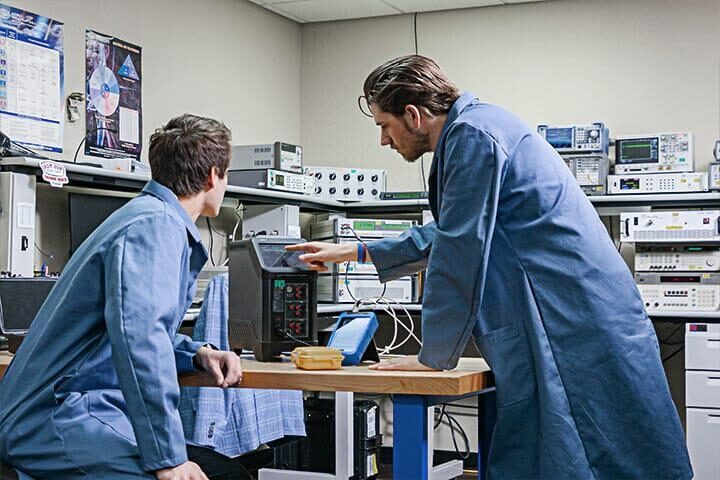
column 273, row 297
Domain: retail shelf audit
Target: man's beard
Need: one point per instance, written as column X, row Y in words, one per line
column 417, row 145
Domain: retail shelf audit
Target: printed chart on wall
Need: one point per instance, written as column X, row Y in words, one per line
column 31, row 78
column 113, row 121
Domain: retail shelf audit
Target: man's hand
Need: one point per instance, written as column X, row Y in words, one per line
column 409, row 362
column 223, row 366
column 319, row 253
column 185, row 471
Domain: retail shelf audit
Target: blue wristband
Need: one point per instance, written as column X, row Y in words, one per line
column 361, row 253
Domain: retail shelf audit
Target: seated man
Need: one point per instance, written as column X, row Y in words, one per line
column 235, row 421
column 92, row 391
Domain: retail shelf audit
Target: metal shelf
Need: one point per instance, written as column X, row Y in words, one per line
column 686, row 315
column 658, row 200
column 94, row 177
column 346, row 307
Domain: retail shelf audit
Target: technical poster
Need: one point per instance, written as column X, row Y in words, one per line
column 31, row 78
column 113, row 120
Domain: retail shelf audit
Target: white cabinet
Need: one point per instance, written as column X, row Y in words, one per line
column 703, row 431
column 702, row 397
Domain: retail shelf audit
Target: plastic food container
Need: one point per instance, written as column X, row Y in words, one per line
column 317, row 358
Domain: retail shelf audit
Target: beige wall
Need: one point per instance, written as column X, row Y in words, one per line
column 640, row 66
column 228, row 59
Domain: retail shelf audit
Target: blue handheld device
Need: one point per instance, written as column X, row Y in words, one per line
column 352, row 334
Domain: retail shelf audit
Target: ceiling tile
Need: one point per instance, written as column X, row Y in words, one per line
column 409, row 6
column 275, row 8
column 325, row 10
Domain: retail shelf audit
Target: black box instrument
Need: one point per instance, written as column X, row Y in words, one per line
column 273, row 297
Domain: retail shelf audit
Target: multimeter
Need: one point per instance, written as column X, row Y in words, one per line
column 353, row 334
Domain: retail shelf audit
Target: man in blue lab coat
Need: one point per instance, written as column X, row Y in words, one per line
column 518, row 257
column 93, row 391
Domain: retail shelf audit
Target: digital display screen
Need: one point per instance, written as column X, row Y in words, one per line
column 629, row 184
column 681, row 279
column 275, row 255
column 559, row 137
column 286, row 147
column 637, row 150
column 279, row 180
column 379, row 226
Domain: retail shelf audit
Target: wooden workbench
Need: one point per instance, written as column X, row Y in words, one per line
column 471, row 375
column 415, row 394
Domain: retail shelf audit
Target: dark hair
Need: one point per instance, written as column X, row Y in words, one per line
column 183, row 152
column 409, row 80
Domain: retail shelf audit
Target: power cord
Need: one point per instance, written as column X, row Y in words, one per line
column 455, row 426
column 84, row 139
column 212, row 241
column 47, row 255
column 347, row 264
column 668, row 357
column 665, row 341
column 422, row 157
column 297, row 340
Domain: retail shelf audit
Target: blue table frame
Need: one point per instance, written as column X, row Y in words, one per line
column 412, row 436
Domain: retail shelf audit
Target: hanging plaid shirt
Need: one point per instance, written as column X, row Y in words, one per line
column 233, row 421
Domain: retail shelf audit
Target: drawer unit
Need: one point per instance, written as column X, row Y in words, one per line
column 703, row 438
column 702, row 346
column 702, row 389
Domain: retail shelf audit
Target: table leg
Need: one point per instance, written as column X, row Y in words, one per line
column 344, row 454
column 411, row 458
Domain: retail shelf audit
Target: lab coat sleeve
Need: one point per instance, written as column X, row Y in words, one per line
column 454, row 283
column 403, row 255
column 143, row 272
column 185, row 350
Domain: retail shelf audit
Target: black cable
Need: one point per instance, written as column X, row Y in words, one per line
column 461, row 430
column 439, row 419
column 43, row 253
column 664, row 341
column 289, row 335
column 454, row 426
column 415, row 31
column 31, row 152
column 422, row 158
column 673, row 354
column 85, row 138
column 212, row 241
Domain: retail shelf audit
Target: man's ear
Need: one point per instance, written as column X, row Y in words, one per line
column 413, row 115
column 212, row 178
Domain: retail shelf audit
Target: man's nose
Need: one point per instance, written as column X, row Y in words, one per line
column 385, row 141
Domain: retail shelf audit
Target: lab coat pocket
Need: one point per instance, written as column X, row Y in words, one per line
column 507, row 352
column 107, row 407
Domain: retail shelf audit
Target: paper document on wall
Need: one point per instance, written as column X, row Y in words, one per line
column 31, row 78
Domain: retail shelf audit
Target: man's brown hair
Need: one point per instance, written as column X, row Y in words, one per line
column 183, row 152
column 409, row 80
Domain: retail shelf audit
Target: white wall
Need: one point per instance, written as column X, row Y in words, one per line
column 639, row 65
column 227, row 59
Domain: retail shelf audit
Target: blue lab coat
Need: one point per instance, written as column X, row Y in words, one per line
column 93, row 390
column 518, row 257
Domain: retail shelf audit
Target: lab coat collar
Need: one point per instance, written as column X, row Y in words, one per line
column 462, row 101
column 166, row 195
